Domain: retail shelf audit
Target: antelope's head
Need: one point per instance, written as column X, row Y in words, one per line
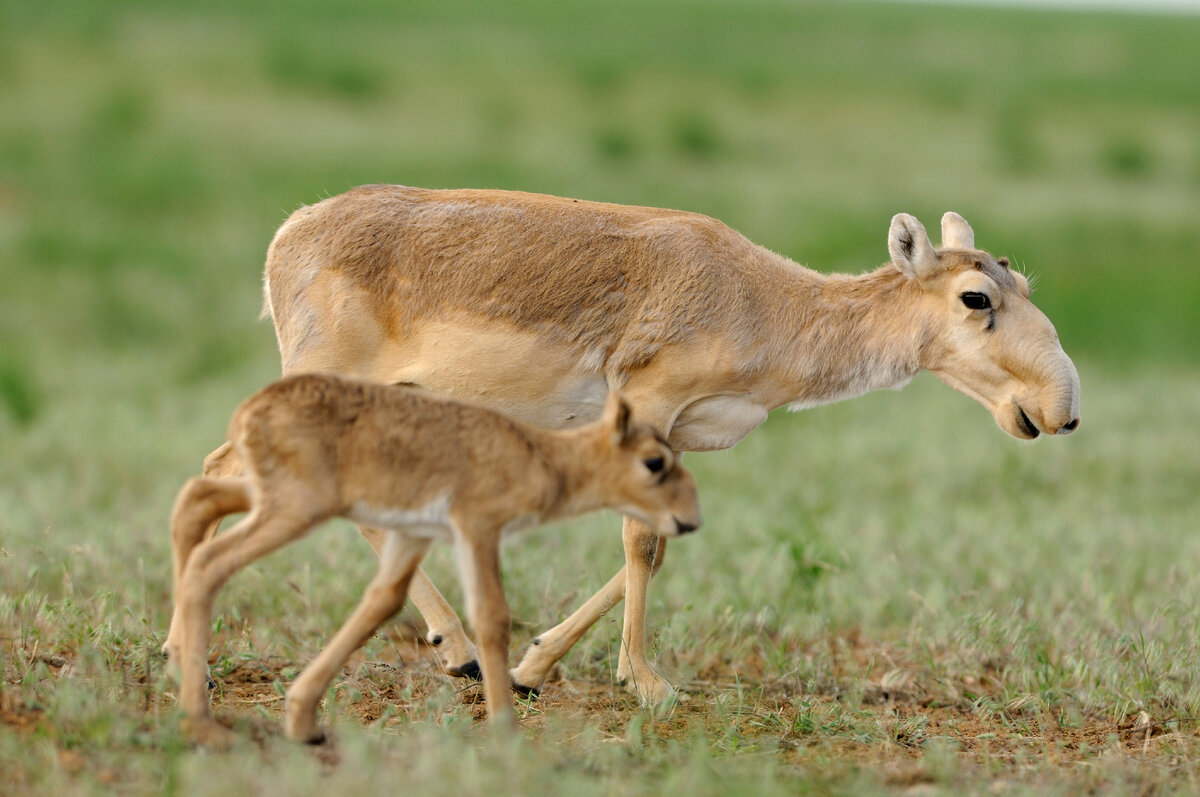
column 642, row 475
column 987, row 339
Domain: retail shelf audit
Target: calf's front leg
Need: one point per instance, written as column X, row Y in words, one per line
column 399, row 557
column 479, row 559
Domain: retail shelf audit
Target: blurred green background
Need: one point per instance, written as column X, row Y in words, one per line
column 149, row 150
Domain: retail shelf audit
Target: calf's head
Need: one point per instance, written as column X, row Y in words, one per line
column 986, row 338
column 642, row 476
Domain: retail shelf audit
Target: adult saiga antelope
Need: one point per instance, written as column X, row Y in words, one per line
column 315, row 446
column 538, row 306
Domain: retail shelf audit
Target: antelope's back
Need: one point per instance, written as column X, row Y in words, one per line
column 531, row 260
column 533, row 305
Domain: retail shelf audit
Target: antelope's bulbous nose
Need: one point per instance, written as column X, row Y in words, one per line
column 683, row 527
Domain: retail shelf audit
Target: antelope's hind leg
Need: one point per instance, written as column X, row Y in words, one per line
column 644, row 552
column 399, row 557
column 446, row 633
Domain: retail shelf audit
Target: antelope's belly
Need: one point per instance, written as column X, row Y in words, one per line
column 525, row 375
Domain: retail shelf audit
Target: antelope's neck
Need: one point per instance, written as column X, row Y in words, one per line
column 848, row 335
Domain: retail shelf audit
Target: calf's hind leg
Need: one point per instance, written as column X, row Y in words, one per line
column 210, row 565
column 199, row 507
column 201, row 524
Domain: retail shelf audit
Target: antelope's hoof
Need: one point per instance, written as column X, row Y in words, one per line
column 521, row 690
column 653, row 691
column 469, row 670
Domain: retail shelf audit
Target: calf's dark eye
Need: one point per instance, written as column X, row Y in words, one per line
column 655, row 464
column 976, row 301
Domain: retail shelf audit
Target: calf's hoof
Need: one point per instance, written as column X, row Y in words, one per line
column 208, row 733
column 303, row 731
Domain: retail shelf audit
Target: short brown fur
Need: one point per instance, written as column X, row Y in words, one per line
column 538, row 305
column 419, row 467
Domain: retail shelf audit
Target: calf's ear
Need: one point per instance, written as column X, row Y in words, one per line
column 617, row 416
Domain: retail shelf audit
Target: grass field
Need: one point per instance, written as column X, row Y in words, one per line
column 889, row 595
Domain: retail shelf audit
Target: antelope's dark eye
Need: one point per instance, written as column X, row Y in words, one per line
column 655, row 464
column 976, row 301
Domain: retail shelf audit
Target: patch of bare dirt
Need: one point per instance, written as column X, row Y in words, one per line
column 17, row 716
column 892, row 721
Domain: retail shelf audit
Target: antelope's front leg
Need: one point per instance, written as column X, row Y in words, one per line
column 550, row 646
column 644, row 552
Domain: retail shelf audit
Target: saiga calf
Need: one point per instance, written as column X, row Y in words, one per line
column 419, row 467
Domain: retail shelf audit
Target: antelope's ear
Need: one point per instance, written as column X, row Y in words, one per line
column 956, row 233
column 909, row 246
column 617, row 416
